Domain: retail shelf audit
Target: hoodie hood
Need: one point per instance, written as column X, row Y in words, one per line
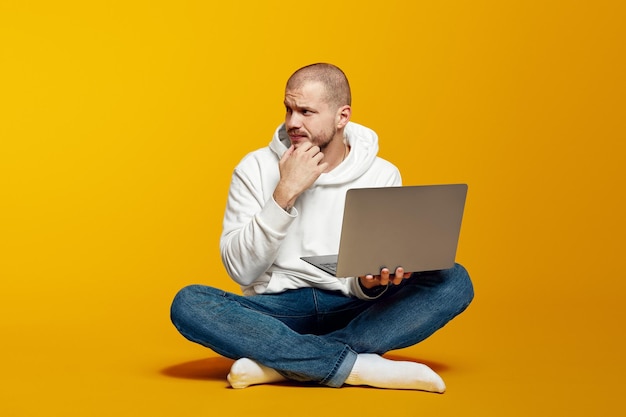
column 363, row 151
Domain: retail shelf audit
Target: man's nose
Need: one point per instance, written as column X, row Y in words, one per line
column 293, row 121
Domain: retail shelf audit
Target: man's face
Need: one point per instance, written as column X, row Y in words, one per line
column 309, row 118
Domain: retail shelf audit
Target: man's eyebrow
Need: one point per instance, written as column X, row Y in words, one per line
column 298, row 106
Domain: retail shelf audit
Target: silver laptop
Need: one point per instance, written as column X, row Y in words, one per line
column 415, row 227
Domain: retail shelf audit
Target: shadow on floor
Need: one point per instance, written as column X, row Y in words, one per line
column 207, row 369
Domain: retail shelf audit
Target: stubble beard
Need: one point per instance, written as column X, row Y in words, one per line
column 321, row 140
column 324, row 139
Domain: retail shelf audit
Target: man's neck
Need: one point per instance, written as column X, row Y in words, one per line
column 336, row 152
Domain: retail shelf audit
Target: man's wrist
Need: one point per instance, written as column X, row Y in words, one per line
column 287, row 206
column 372, row 292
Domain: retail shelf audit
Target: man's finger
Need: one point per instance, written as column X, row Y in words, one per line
column 288, row 153
column 399, row 276
column 384, row 276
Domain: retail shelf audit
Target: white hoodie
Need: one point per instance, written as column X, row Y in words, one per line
column 261, row 244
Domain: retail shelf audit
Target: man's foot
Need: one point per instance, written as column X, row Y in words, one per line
column 246, row 372
column 376, row 371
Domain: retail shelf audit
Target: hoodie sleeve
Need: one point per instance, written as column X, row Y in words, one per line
column 362, row 293
column 253, row 229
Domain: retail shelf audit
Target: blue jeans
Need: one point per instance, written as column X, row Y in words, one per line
column 315, row 335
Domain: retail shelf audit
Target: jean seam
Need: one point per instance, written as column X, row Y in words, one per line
column 335, row 368
column 246, row 306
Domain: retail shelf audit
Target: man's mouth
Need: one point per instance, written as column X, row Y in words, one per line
column 297, row 135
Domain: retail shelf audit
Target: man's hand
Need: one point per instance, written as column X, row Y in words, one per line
column 299, row 168
column 385, row 278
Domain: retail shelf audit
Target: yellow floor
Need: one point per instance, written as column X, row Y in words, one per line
column 122, row 357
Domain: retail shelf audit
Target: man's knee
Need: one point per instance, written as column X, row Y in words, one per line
column 183, row 304
column 461, row 286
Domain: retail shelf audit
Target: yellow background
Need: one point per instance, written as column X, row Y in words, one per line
column 121, row 122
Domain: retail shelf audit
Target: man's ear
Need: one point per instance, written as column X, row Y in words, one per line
column 343, row 116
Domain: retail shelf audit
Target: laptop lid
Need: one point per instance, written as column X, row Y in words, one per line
column 416, row 227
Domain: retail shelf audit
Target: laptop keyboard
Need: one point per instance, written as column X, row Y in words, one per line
column 331, row 266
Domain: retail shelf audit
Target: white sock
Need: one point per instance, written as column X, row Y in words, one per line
column 246, row 372
column 376, row 371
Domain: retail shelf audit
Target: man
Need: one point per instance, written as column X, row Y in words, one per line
column 295, row 322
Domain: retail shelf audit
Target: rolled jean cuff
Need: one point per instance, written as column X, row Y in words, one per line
column 342, row 369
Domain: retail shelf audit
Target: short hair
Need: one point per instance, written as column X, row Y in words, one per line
column 332, row 78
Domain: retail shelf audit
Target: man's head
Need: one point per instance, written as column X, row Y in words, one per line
column 333, row 79
column 317, row 103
